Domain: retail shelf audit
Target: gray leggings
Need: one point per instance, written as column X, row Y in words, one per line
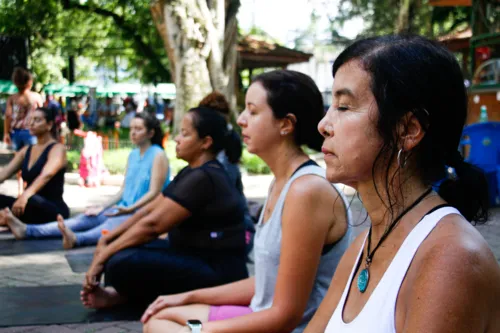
column 87, row 229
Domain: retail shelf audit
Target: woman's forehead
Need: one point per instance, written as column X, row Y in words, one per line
column 351, row 80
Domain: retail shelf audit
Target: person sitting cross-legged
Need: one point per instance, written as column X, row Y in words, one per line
column 202, row 212
column 146, row 176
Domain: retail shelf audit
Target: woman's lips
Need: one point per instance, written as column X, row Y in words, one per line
column 326, row 151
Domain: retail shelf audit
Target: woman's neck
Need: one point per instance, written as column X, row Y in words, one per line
column 284, row 160
column 42, row 140
column 144, row 146
column 376, row 202
column 200, row 160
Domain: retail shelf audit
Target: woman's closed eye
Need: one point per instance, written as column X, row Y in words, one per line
column 342, row 108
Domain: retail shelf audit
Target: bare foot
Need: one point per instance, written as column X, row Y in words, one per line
column 69, row 238
column 17, row 227
column 101, row 298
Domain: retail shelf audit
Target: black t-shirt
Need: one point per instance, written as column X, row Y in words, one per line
column 216, row 207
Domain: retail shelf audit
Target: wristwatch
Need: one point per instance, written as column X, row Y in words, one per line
column 194, row 325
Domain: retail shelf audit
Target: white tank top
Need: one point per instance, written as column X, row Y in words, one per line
column 378, row 314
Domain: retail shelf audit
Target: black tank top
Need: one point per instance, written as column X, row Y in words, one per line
column 53, row 190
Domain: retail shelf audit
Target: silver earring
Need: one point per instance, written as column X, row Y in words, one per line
column 284, row 132
column 403, row 164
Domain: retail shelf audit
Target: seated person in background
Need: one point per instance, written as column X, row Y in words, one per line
column 217, row 101
column 146, row 176
column 302, row 232
column 43, row 166
column 203, row 214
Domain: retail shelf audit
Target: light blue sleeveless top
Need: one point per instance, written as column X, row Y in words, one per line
column 138, row 175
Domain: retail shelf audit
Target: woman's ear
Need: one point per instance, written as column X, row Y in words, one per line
column 207, row 143
column 288, row 124
column 410, row 131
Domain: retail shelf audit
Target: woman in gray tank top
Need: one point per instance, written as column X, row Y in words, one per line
column 302, row 232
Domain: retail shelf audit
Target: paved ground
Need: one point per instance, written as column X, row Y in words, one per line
column 52, row 269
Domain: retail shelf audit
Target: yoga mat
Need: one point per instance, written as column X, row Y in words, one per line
column 9, row 246
column 23, row 306
column 79, row 262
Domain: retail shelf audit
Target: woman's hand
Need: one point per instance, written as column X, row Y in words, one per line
column 101, row 246
column 19, row 205
column 94, row 211
column 118, row 210
column 93, row 275
column 163, row 302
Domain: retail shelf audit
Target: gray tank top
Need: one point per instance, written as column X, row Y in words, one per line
column 267, row 246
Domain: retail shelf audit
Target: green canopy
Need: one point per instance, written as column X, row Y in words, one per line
column 118, row 89
column 66, row 89
column 7, row 87
column 53, row 88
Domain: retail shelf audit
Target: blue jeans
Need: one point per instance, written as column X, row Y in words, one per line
column 21, row 138
column 87, row 229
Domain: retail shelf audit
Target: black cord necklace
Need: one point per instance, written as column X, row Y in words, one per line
column 364, row 275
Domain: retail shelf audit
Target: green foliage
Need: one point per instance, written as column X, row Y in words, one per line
column 116, row 161
column 254, row 164
column 73, row 157
column 381, row 17
column 101, row 31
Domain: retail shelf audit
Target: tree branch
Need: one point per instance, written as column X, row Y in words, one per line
column 120, row 21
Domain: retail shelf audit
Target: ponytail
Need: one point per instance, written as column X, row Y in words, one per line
column 468, row 191
column 233, row 146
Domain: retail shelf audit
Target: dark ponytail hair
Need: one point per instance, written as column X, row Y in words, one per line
column 209, row 122
column 50, row 117
column 415, row 75
column 456, row 190
column 234, row 146
column 152, row 124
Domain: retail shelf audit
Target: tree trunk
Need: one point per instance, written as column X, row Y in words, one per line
column 200, row 40
column 403, row 24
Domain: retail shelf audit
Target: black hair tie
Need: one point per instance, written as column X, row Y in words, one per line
column 455, row 159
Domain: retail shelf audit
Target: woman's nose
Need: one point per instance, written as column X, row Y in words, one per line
column 241, row 121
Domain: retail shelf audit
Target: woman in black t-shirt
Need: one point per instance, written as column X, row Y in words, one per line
column 202, row 212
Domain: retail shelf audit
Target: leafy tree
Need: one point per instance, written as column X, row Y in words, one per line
column 397, row 16
column 97, row 30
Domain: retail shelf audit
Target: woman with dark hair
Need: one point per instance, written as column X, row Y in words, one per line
column 217, row 101
column 393, row 129
column 302, row 232
column 42, row 165
column 146, row 176
column 203, row 215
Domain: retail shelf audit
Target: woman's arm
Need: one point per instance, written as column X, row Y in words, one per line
column 161, row 219
column 7, row 121
column 14, row 165
column 236, row 293
column 158, row 177
column 452, row 286
column 137, row 216
column 55, row 162
column 307, row 218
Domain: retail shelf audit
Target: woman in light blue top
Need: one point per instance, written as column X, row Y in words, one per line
column 146, row 176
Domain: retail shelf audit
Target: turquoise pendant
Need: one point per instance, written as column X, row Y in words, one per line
column 363, row 279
